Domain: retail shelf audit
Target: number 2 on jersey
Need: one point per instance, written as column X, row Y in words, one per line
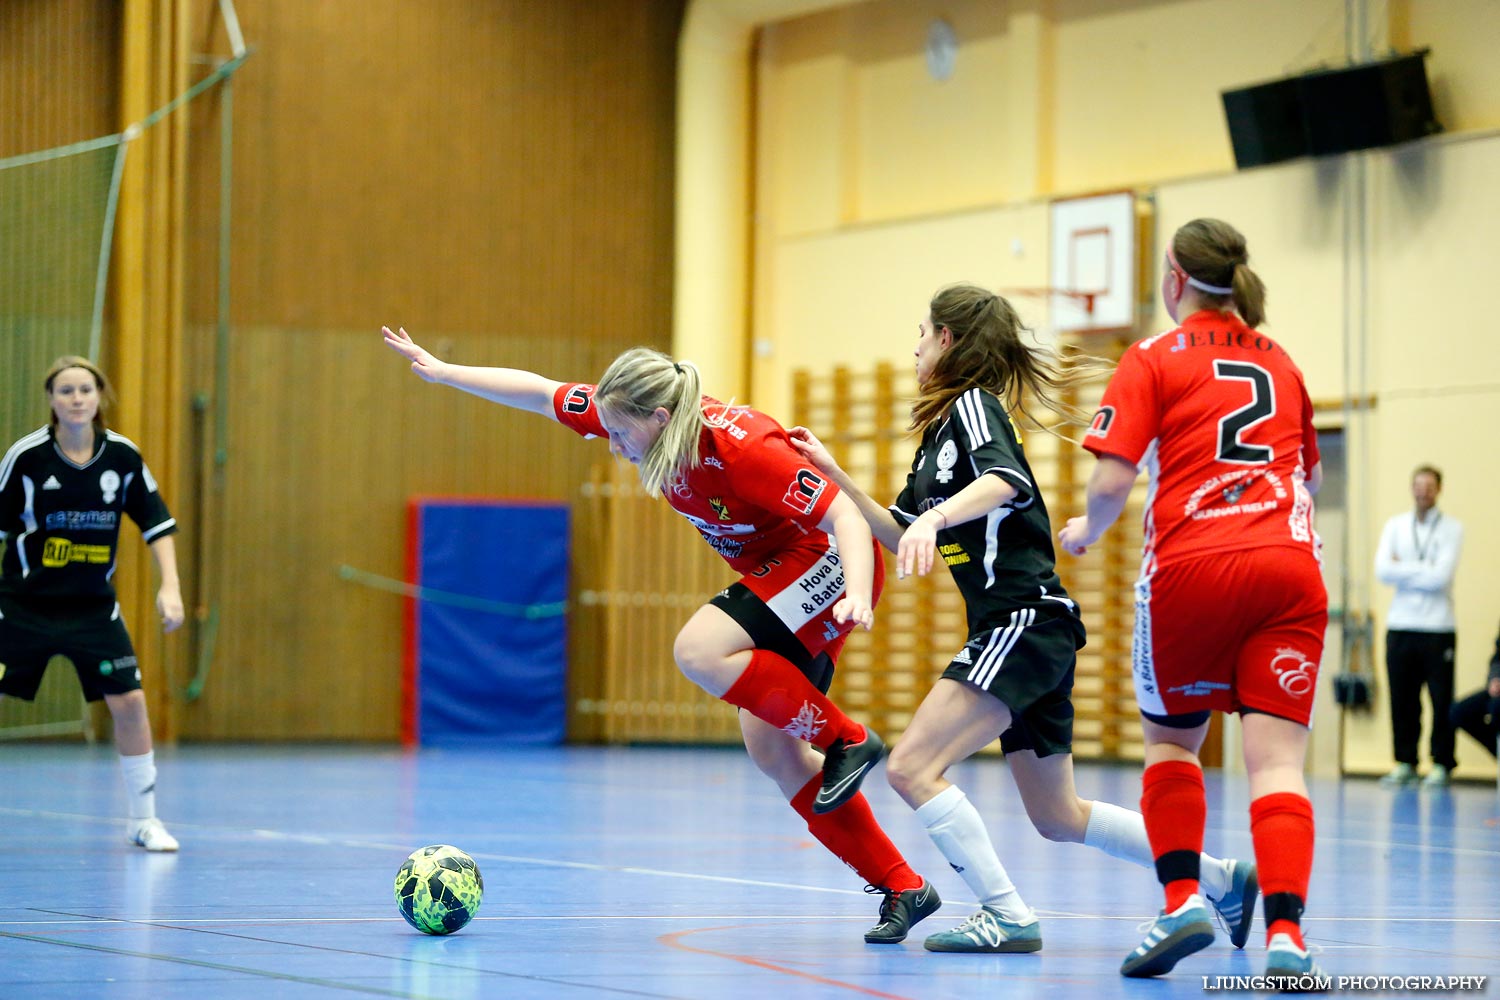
column 1262, row 404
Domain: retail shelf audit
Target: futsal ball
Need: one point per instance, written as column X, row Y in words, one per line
column 438, row 889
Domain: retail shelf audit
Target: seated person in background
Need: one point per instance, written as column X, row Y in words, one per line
column 1479, row 713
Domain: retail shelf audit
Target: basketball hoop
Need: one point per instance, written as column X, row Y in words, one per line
column 1083, row 300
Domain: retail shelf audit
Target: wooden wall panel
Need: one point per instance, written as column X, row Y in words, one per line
column 59, row 73
column 496, row 175
column 330, row 434
column 470, row 165
column 647, row 573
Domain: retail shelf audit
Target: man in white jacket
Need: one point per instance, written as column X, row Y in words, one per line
column 1418, row 555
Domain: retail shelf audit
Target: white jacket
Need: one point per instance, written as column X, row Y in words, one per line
column 1419, row 560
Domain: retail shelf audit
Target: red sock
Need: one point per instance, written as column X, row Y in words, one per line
column 1281, row 827
column 1175, row 808
column 774, row 691
column 853, row 835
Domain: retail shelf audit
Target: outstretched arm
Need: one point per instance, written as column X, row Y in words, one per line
column 521, row 390
column 884, row 527
column 1109, row 488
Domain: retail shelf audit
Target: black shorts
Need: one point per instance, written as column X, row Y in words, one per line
column 92, row 636
column 1027, row 664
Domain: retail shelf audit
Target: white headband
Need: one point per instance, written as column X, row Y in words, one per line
column 1204, row 286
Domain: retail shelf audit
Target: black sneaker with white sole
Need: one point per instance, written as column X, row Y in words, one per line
column 845, row 765
column 900, row 911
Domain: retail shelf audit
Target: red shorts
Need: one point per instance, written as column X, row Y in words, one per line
column 1231, row 631
column 786, row 606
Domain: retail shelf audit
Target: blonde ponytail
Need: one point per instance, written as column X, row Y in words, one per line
column 636, row 385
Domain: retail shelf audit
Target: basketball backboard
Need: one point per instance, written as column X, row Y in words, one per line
column 1094, row 259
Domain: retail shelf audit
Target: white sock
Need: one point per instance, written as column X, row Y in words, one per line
column 1121, row 833
column 958, row 831
column 140, row 784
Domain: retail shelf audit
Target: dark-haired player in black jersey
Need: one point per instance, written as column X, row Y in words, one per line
column 63, row 491
column 971, row 499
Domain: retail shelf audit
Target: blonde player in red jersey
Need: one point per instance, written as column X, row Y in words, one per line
column 1230, row 604
column 766, row 644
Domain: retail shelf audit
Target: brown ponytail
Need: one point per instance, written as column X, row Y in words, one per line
column 1213, row 252
column 989, row 352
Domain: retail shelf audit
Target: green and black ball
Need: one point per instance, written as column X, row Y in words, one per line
column 438, row 889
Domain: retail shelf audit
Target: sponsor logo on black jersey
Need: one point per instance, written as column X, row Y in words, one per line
column 577, row 400
column 802, row 495
column 61, row 551
column 953, row 554
column 82, row 520
column 947, row 458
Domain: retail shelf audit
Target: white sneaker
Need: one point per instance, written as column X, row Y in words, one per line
column 150, row 834
column 1438, row 777
column 1401, row 774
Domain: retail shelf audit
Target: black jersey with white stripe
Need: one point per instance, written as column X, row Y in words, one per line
column 1002, row 561
column 61, row 520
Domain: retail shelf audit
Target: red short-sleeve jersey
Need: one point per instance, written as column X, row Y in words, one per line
column 751, row 496
column 1219, row 416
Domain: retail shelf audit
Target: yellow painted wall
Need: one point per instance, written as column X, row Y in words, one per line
column 1138, row 82
column 1462, row 71
column 875, row 184
column 855, row 296
column 1438, row 374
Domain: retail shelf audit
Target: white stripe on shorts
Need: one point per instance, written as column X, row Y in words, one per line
column 1002, row 641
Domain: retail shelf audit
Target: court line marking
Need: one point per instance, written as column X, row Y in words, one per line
column 306, row 946
column 797, row 916
column 306, row 838
column 673, row 941
column 218, row 967
column 363, row 844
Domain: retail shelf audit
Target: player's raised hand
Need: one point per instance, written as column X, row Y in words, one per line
column 427, row 367
column 810, row 448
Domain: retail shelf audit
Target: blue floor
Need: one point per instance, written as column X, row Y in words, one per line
column 662, row 873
